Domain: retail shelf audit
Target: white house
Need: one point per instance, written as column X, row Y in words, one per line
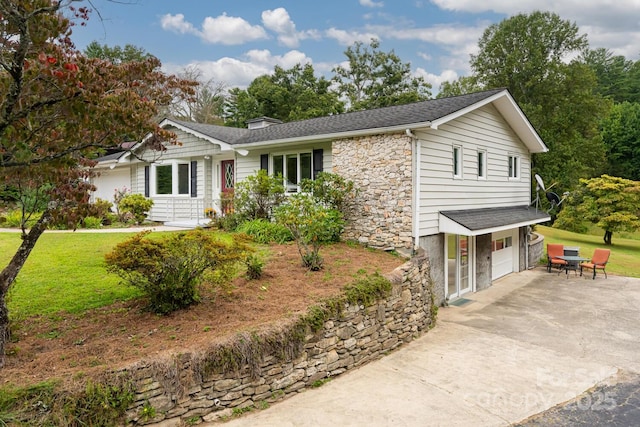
column 450, row 175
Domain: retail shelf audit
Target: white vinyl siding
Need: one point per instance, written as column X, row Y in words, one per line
column 190, row 146
column 250, row 164
column 483, row 129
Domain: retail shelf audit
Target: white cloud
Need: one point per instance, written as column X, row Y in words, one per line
column 230, row 30
column 371, row 3
column 177, row 24
column 611, row 24
column 436, row 79
column 223, row 29
column 348, row 38
column 236, row 72
column 279, row 21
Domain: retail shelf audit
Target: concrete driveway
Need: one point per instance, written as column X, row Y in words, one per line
column 531, row 341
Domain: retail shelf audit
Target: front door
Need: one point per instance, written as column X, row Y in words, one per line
column 227, row 182
column 458, row 265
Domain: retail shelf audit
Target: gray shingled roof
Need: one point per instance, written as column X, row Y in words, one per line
column 480, row 219
column 399, row 115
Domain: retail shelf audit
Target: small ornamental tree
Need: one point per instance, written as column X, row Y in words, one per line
column 311, row 223
column 169, row 270
column 609, row 202
column 60, row 110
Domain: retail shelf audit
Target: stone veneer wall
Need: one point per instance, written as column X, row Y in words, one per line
column 381, row 168
column 357, row 336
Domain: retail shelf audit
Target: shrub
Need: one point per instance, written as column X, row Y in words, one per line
column 257, row 195
column 14, row 219
column 265, row 231
column 101, row 209
column 169, row 270
column 330, row 189
column 311, row 224
column 136, row 205
column 92, row 222
column 254, row 267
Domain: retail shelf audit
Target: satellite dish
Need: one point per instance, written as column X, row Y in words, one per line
column 553, row 198
column 540, row 182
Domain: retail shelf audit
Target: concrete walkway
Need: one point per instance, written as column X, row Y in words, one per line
column 531, row 341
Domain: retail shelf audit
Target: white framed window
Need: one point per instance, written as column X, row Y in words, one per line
column 457, row 161
column 514, row 166
column 482, row 164
column 171, row 178
column 294, row 167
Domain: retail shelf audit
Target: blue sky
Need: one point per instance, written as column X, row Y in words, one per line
column 233, row 42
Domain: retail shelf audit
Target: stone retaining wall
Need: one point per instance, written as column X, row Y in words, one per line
column 178, row 390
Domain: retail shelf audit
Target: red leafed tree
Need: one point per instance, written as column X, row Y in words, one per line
column 59, row 110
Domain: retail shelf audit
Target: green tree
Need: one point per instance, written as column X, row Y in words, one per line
column 116, row 54
column 375, row 78
column 528, row 54
column 461, row 86
column 59, row 110
column 621, row 135
column 612, row 73
column 287, row 95
column 609, row 202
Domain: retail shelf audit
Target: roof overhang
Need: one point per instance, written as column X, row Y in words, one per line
column 507, row 106
column 336, row 135
column 475, row 222
column 168, row 122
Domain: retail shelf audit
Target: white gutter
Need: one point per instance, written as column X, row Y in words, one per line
column 416, row 188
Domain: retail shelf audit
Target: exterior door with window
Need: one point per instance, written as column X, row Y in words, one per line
column 458, row 265
column 227, row 182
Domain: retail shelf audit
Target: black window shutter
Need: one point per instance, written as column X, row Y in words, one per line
column 264, row 162
column 194, row 179
column 317, row 162
column 147, row 170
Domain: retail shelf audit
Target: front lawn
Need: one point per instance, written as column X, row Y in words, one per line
column 625, row 252
column 65, row 272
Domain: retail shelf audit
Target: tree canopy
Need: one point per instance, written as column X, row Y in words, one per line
column 59, row 110
column 621, row 135
column 530, row 55
column 374, row 78
column 287, row 95
column 611, row 203
column 116, row 54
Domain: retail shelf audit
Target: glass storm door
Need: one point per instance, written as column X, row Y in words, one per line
column 458, row 255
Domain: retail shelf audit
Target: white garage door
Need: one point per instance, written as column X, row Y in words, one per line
column 109, row 180
column 503, row 253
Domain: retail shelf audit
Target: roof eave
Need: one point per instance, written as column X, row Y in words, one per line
column 507, row 106
column 336, row 135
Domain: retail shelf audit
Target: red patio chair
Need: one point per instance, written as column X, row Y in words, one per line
column 598, row 261
column 555, row 250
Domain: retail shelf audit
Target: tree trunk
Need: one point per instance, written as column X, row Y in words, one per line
column 607, row 237
column 10, row 272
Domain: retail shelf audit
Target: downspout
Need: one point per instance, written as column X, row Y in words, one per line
column 415, row 220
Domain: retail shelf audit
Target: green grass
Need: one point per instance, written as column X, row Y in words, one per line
column 65, row 272
column 625, row 251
